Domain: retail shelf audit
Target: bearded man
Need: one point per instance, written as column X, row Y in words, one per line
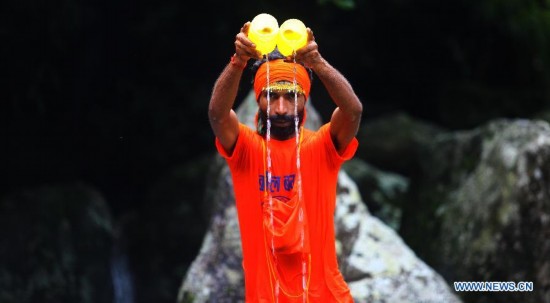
column 285, row 176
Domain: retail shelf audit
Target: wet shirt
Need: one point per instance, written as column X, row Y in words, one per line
column 319, row 166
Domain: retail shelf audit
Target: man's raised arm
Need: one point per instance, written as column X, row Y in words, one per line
column 346, row 118
column 223, row 119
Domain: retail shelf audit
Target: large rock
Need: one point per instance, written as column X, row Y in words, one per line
column 395, row 142
column 162, row 236
column 483, row 198
column 56, row 245
column 375, row 262
column 384, row 192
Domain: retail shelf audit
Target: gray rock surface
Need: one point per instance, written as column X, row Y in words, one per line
column 383, row 192
column 484, row 195
column 377, row 264
column 395, row 142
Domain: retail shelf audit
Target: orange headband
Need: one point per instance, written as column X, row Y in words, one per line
column 279, row 70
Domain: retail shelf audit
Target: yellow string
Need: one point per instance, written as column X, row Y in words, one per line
column 272, row 271
column 263, row 225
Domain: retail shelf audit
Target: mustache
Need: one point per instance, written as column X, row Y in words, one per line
column 282, row 118
column 278, row 132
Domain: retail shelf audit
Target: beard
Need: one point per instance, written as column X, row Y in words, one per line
column 278, row 132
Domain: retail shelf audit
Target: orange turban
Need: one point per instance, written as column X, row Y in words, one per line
column 279, row 70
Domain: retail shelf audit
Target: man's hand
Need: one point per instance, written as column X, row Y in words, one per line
column 244, row 48
column 309, row 54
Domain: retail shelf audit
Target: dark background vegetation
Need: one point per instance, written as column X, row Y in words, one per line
column 114, row 93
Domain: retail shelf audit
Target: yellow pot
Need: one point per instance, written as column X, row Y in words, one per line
column 263, row 32
column 292, row 36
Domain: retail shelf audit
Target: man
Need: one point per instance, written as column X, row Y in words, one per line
column 284, row 176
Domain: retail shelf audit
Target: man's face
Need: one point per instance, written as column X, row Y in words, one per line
column 282, row 113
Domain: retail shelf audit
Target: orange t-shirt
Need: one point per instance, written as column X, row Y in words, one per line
column 319, row 166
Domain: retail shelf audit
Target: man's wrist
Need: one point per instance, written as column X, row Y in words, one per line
column 320, row 65
column 238, row 62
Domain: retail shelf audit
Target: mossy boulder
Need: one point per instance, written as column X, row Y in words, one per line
column 56, row 246
column 483, row 201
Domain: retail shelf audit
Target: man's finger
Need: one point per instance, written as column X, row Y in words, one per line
column 246, row 27
column 243, row 38
column 310, row 36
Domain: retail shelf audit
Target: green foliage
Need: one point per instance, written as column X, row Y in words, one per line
column 526, row 21
column 187, row 298
column 342, row 4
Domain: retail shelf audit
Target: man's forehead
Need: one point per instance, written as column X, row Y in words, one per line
column 284, row 87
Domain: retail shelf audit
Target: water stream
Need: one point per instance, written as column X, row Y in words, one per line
column 298, row 135
column 268, row 160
